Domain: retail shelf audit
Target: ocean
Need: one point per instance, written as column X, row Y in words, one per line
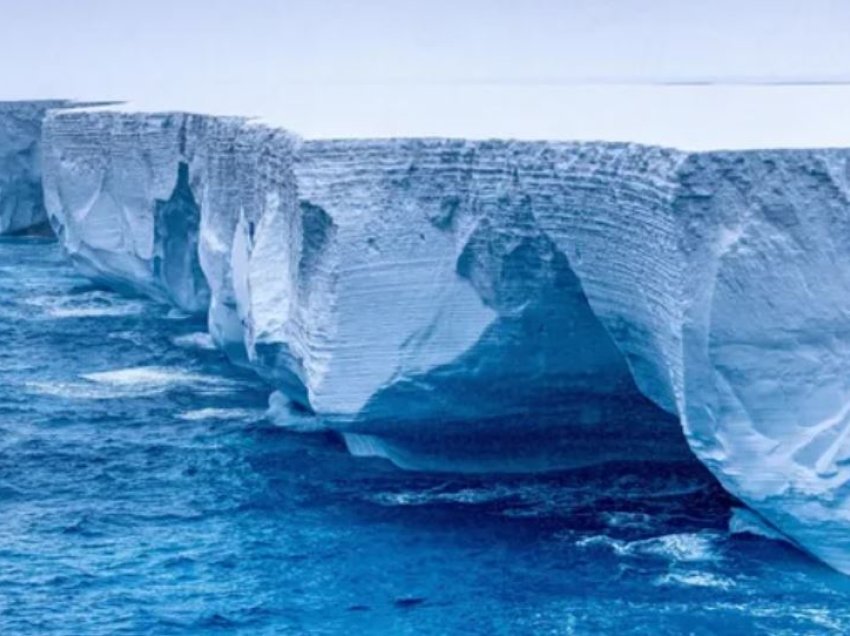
column 144, row 491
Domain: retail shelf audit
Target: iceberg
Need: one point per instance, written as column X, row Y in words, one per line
column 131, row 216
column 457, row 304
column 21, row 204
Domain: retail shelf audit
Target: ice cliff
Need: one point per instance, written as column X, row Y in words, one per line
column 21, row 205
column 439, row 299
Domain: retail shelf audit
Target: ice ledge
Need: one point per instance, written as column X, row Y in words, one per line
column 410, row 290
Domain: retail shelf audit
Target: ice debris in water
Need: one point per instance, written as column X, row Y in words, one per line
column 743, row 521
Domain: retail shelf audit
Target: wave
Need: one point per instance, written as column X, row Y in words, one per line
column 197, row 340
column 695, row 579
column 686, row 547
column 91, row 304
column 135, row 382
column 248, row 415
column 85, row 390
column 438, row 495
column 164, row 378
column 284, row 414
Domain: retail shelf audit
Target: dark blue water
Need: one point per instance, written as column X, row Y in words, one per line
column 142, row 491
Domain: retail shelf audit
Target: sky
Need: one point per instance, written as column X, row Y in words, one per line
column 478, row 68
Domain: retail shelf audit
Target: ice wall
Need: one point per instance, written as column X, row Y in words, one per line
column 21, row 204
column 125, row 198
column 425, row 296
column 766, row 346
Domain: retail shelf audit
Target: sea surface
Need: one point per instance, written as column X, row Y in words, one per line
column 143, row 491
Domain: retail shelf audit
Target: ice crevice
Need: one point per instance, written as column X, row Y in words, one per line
column 499, row 305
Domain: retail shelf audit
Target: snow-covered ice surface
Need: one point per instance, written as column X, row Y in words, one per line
column 446, row 302
column 717, row 115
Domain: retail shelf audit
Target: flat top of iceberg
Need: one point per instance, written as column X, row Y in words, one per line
column 690, row 117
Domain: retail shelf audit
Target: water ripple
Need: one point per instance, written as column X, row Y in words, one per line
column 144, row 490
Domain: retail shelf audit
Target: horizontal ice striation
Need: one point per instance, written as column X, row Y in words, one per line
column 489, row 330
column 453, row 304
column 21, row 201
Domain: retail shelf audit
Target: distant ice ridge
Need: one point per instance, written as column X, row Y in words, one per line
column 21, row 202
column 436, row 300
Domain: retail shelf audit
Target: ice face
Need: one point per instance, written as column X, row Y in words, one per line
column 21, row 202
column 765, row 340
column 126, row 211
column 454, row 304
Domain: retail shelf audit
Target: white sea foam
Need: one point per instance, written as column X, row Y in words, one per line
column 621, row 519
column 439, row 496
column 86, row 390
column 695, row 579
column 686, row 547
column 682, row 547
column 94, row 304
column 96, row 312
column 134, row 337
column 618, row 546
column 134, row 382
column 247, row 415
column 825, row 618
column 151, row 375
column 162, row 378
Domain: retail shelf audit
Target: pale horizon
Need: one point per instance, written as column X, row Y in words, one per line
column 767, row 74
